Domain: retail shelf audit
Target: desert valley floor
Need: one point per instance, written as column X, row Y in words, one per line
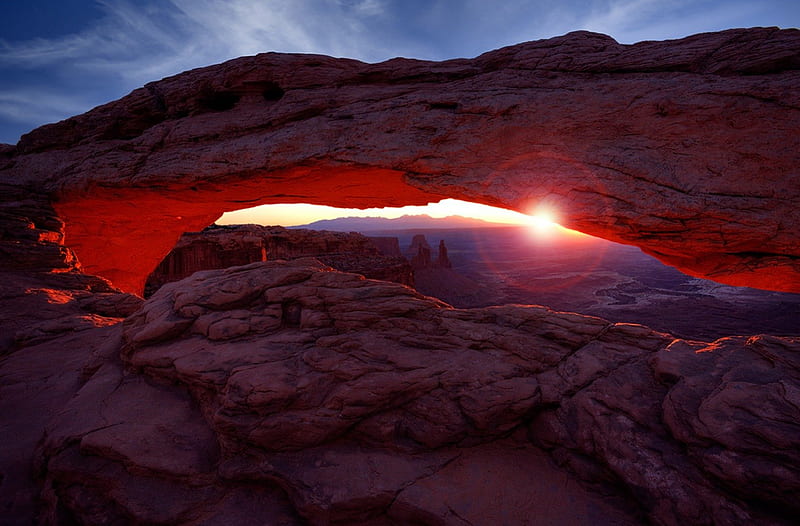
column 495, row 266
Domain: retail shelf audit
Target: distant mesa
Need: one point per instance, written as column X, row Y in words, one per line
column 389, row 246
column 407, row 222
column 377, row 257
column 218, row 247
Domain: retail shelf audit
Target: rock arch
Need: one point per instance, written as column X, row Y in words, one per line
column 687, row 148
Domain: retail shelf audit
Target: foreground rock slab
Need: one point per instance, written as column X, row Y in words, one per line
column 686, row 148
column 353, row 401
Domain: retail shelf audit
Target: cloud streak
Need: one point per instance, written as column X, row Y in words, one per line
column 39, row 105
column 136, row 43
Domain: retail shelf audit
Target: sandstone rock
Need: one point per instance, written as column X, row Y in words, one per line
column 420, row 252
column 739, row 415
column 31, row 233
column 362, row 369
column 289, row 393
column 54, row 322
column 314, row 395
column 44, row 293
column 227, row 246
column 389, row 246
column 519, row 485
column 442, row 260
column 687, row 148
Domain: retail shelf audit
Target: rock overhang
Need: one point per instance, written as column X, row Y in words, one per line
column 687, row 148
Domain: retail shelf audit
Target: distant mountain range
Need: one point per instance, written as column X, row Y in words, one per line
column 373, row 224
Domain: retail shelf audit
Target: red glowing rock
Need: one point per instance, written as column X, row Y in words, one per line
column 686, row 148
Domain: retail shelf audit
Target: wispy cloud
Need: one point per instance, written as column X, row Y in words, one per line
column 134, row 43
column 38, row 105
column 142, row 41
column 631, row 21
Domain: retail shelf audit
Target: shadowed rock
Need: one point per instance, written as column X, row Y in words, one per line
column 370, row 389
column 227, row 246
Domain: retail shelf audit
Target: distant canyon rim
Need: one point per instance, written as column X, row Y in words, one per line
column 290, row 393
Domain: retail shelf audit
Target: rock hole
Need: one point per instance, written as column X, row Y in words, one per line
column 272, row 92
column 291, row 312
column 443, row 105
column 219, row 100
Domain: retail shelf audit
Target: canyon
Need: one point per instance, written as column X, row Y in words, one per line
column 287, row 392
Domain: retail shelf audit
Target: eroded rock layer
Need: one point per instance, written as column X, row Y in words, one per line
column 227, row 246
column 686, row 148
column 350, row 401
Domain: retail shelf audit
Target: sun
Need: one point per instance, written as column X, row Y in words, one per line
column 542, row 222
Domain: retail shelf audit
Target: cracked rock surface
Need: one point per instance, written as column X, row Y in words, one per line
column 358, row 401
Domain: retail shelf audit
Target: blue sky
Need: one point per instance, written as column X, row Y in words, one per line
column 63, row 57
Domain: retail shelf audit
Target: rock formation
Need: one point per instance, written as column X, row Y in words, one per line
column 286, row 389
column 290, row 393
column 442, row 260
column 389, row 246
column 53, row 321
column 687, row 148
column 420, row 252
column 227, row 246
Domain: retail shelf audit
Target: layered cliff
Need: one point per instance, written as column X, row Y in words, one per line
column 226, row 246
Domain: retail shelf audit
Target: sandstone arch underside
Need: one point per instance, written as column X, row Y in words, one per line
column 689, row 149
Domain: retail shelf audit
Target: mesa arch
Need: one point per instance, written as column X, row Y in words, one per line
column 688, row 148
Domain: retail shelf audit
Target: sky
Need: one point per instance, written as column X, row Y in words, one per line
column 59, row 58
column 302, row 214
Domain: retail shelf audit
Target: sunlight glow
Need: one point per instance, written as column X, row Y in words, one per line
column 301, row 214
column 542, row 223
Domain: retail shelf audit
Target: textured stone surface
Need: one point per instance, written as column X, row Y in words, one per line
column 291, row 394
column 294, row 365
column 687, row 148
column 54, row 323
column 226, row 246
